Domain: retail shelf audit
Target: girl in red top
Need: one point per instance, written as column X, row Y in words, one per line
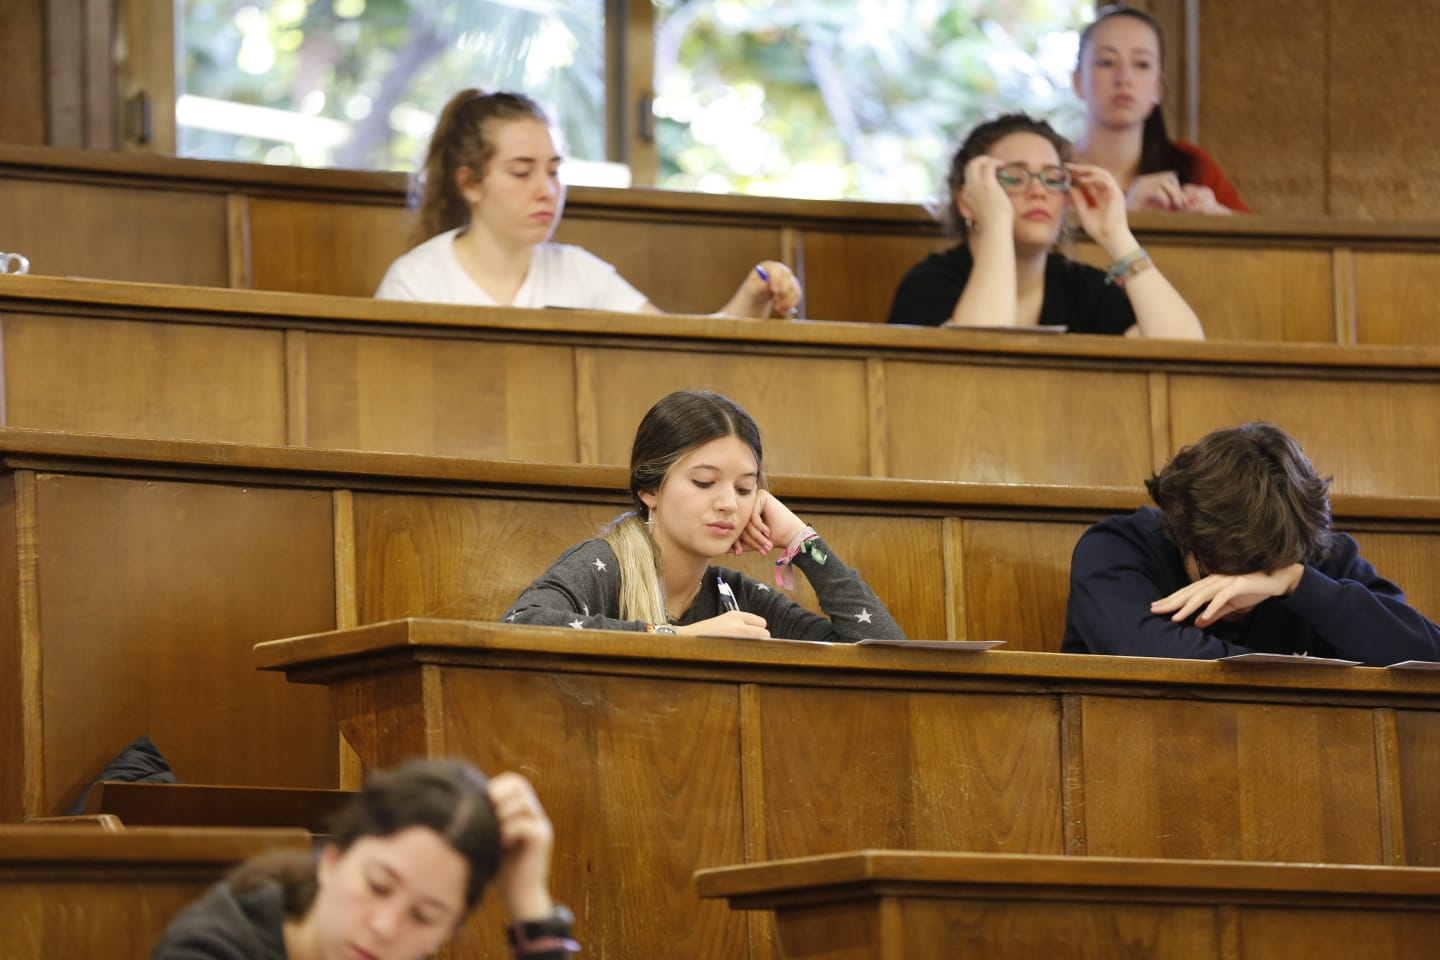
column 1118, row 77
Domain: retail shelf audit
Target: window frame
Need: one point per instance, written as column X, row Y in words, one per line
column 110, row 103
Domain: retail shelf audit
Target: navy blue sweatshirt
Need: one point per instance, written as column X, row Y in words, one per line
column 1341, row 607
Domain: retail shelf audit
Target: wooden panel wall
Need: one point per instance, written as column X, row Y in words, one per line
column 858, row 769
column 149, row 596
column 1346, row 426
column 444, row 397
column 1096, row 428
column 791, row 397
column 304, row 246
column 19, row 773
column 176, row 381
column 852, row 275
column 1311, row 107
column 654, row 791
column 1145, row 760
column 115, row 233
column 1381, row 69
column 1277, row 157
column 1417, row 738
column 1397, row 298
column 23, row 108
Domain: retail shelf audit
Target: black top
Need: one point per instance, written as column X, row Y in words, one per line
column 1076, row 296
column 1341, row 607
column 225, row 926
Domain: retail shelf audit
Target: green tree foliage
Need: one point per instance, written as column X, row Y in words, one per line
column 819, row 98
column 848, row 98
column 372, row 74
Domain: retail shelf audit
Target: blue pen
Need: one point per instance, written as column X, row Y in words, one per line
column 727, row 596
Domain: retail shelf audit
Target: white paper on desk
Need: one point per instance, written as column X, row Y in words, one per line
column 1415, row 665
column 1290, row 659
column 932, row 644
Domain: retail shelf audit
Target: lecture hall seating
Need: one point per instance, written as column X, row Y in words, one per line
column 211, row 223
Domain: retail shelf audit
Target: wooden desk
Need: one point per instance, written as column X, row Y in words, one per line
column 656, row 756
column 166, row 220
column 83, row 892
column 210, row 805
column 142, row 572
column 570, row 386
column 888, row 904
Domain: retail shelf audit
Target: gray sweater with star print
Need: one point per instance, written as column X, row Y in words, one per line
column 582, row 590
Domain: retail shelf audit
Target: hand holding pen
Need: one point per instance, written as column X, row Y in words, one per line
column 781, row 287
column 734, row 622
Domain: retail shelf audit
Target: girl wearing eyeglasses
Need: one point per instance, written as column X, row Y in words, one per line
column 1008, row 189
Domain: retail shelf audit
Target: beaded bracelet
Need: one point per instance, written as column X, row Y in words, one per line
column 1127, row 266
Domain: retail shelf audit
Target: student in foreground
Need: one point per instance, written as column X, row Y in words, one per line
column 1238, row 557
column 491, row 197
column 409, row 859
column 697, row 486
column 1119, row 78
column 1009, row 186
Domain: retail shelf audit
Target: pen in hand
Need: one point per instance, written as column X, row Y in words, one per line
column 727, row 596
column 765, row 275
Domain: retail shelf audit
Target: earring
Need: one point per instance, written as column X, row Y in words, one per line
column 971, row 226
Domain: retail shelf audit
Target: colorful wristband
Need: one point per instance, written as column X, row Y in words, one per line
column 1127, row 266
column 800, row 543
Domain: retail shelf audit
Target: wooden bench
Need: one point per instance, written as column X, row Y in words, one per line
column 84, row 892
column 208, row 805
column 166, row 220
column 880, row 904
column 834, row 400
column 144, row 571
column 655, row 756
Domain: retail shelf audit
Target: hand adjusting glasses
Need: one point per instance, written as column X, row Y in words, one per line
column 1015, row 177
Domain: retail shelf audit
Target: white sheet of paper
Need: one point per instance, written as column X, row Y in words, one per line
column 1415, row 665
column 1289, row 659
column 953, row 645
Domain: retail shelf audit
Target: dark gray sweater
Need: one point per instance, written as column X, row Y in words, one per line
column 582, row 590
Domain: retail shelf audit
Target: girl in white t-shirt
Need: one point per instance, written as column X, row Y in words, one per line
column 490, row 200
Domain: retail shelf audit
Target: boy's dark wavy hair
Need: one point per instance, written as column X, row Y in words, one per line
column 1244, row 499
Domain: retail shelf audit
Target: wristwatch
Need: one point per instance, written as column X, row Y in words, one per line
column 545, row 935
column 661, row 628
